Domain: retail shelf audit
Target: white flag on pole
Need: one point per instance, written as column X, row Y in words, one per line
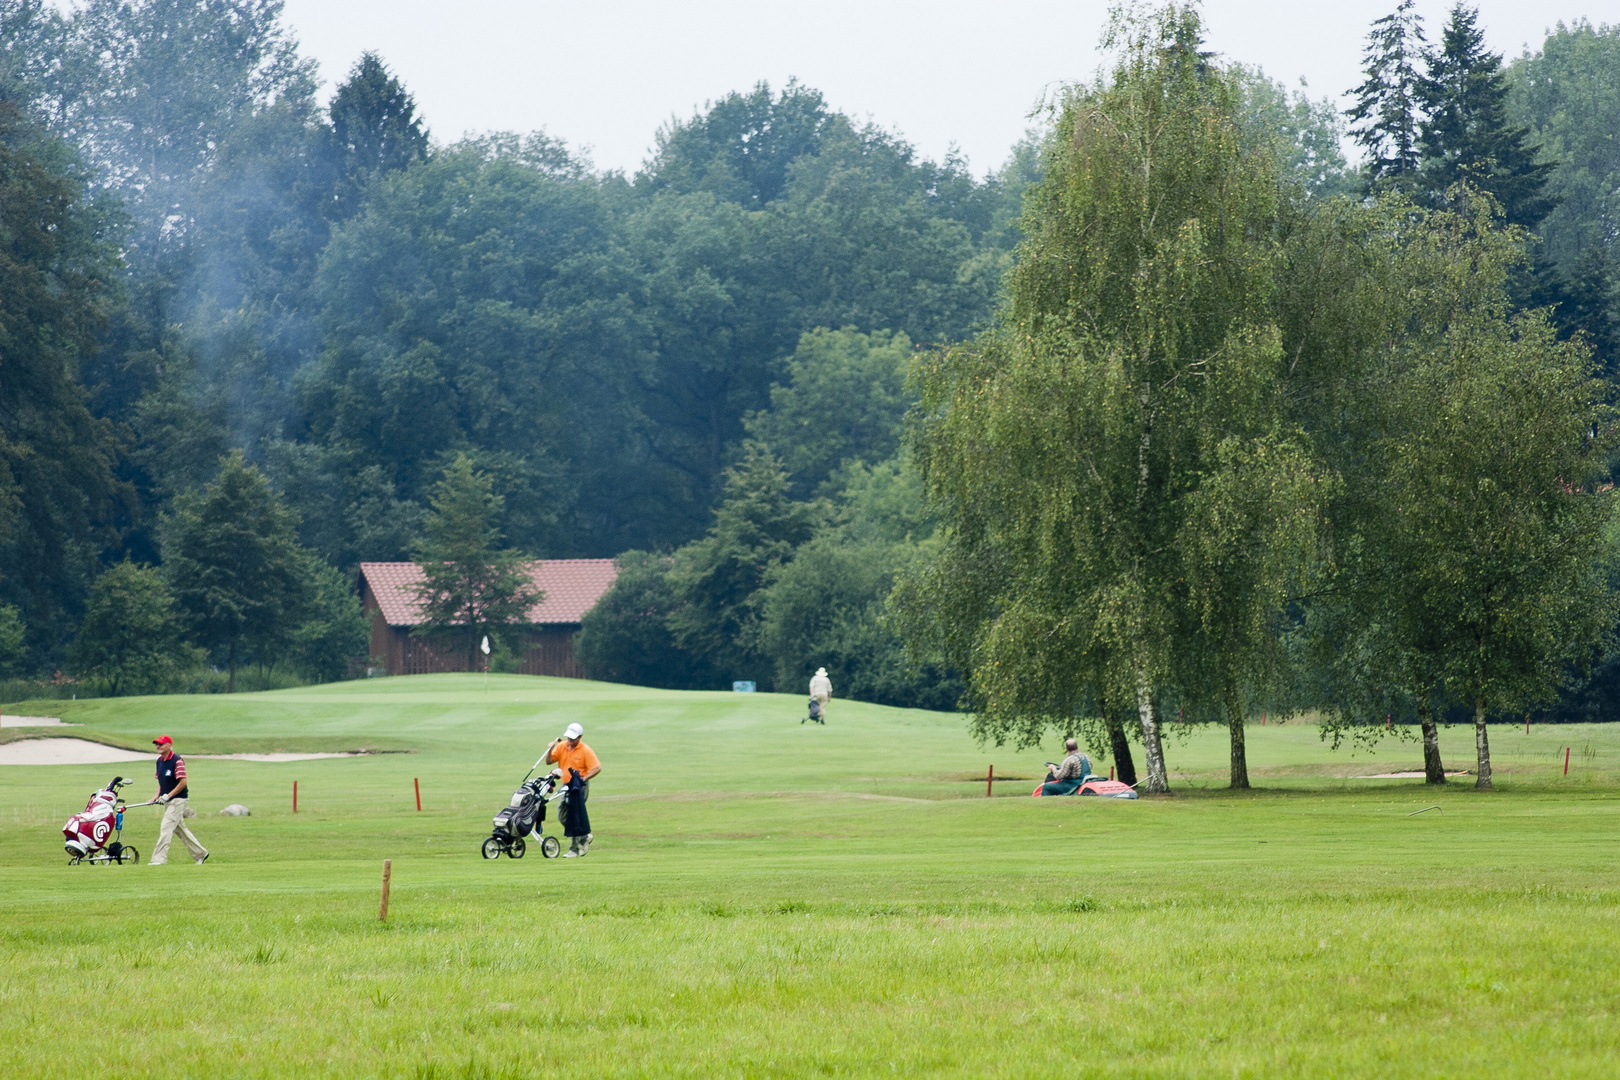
column 485, row 645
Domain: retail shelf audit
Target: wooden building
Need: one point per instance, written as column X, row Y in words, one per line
column 571, row 588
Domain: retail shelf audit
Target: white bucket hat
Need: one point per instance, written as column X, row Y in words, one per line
column 821, row 671
column 574, row 731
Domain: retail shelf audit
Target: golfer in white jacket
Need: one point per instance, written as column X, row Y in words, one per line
column 821, row 689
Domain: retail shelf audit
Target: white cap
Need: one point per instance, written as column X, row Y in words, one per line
column 574, row 731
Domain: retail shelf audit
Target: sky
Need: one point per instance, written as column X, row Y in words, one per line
column 942, row 74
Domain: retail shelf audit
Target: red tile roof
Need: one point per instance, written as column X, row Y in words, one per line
column 572, row 587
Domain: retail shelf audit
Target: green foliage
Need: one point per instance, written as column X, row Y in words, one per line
column 720, row 581
column 375, row 131
column 478, row 305
column 1305, row 134
column 626, row 637
column 13, row 631
column 1387, row 117
column 335, row 633
column 130, row 639
column 470, row 586
column 845, row 400
column 231, row 555
column 1467, row 134
column 1065, row 450
column 59, row 498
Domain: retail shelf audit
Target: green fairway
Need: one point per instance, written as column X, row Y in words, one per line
column 773, row 899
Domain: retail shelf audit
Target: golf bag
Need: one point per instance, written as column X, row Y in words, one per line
column 522, row 817
column 94, row 833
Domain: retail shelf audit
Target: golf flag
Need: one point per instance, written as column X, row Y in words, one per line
column 485, row 645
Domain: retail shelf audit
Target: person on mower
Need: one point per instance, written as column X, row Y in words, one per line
column 1067, row 777
column 578, row 764
column 174, row 794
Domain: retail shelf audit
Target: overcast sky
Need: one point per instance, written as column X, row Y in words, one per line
column 605, row 76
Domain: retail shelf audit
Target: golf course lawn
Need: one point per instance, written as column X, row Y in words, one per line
column 767, row 898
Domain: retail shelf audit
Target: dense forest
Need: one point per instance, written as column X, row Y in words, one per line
column 247, row 340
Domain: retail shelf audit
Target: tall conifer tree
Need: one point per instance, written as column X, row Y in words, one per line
column 1387, row 116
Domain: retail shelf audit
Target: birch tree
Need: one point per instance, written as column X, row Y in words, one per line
column 1064, row 449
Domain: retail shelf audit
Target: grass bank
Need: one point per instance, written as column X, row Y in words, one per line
column 770, row 899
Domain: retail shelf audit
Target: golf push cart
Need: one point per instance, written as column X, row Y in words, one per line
column 524, row 816
column 88, row 833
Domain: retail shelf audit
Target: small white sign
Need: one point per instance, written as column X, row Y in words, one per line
column 743, row 687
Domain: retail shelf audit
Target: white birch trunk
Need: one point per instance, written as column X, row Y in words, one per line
column 1482, row 744
column 1157, row 780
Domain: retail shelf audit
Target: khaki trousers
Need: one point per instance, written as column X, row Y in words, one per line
column 174, row 820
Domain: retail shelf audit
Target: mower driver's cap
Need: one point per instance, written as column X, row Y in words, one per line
column 162, row 740
column 574, row 731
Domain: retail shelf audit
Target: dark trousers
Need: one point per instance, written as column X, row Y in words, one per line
column 1060, row 787
column 575, row 821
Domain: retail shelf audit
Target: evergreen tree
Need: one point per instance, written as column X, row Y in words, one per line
column 720, row 581
column 130, row 638
column 1467, row 135
column 13, row 631
column 336, row 630
column 470, row 585
column 232, row 557
column 1387, row 116
column 375, row 131
column 60, row 500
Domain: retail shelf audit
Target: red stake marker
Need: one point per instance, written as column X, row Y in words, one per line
column 1110, row 772
column 989, row 778
column 295, row 796
column 418, row 784
column 1566, row 761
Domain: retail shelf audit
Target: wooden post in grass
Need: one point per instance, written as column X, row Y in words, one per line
column 989, row 778
column 1566, row 761
column 418, row 784
column 295, row 796
column 388, row 872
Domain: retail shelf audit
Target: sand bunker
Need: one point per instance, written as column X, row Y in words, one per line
column 65, row 752
column 280, row 757
column 1418, row 775
column 33, row 721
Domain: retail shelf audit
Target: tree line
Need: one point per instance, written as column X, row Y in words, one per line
column 1231, row 446
column 703, row 368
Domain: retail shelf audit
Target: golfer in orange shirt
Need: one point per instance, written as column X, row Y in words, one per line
column 578, row 764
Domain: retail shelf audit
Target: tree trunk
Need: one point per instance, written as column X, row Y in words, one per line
column 230, row 680
column 1157, row 781
column 1240, row 757
column 1124, row 764
column 1433, row 771
column 1482, row 744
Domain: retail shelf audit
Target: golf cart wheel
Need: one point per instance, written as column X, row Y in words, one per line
column 129, row 855
column 491, row 848
column 550, row 847
column 517, row 849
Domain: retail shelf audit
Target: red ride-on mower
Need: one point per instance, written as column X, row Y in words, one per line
column 1095, row 785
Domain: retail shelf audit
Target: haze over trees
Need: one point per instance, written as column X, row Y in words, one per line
column 1151, row 462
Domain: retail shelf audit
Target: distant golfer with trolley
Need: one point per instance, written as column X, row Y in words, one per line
column 578, row 764
column 820, row 694
column 174, row 795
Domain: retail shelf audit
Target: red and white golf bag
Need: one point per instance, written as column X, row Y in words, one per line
column 89, row 831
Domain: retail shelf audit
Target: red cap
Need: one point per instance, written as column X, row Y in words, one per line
column 162, row 740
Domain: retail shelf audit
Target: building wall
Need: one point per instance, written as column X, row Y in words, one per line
column 549, row 650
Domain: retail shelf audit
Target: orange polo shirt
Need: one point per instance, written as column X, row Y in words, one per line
column 580, row 759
